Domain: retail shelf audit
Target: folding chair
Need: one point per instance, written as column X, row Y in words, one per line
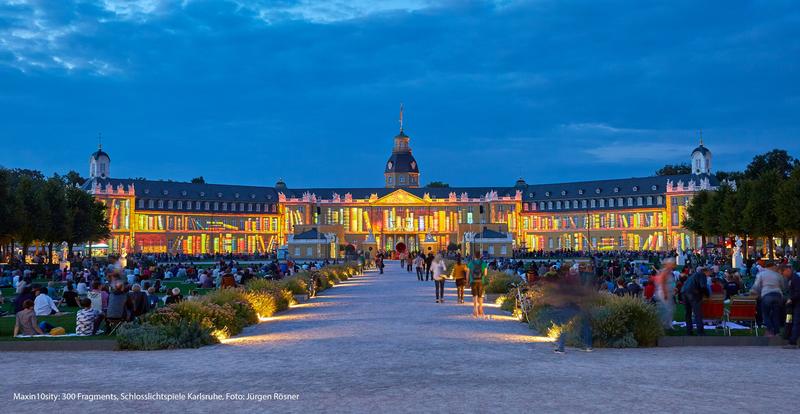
column 742, row 309
column 714, row 310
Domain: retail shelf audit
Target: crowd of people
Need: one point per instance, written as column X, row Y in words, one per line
column 107, row 291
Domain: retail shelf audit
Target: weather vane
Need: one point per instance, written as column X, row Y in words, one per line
column 401, row 117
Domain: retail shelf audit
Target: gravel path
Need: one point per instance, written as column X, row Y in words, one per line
column 380, row 343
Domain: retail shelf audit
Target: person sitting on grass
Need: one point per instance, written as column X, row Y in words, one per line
column 26, row 323
column 152, row 298
column 98, row 297
column 70, row 297
column 228, row 281
column 88, row 319
column 139, row 301
column 193, row 295
column 174, row 297
column 118, row 303
column 44, row 305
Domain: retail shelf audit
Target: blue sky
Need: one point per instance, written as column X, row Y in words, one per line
column 246, row 92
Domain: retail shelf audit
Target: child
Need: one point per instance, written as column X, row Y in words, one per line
column 87, row 319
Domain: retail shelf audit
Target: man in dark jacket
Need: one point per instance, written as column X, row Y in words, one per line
column 693, row 291
column 139, row 301
column 118, row 303
column 793, row 302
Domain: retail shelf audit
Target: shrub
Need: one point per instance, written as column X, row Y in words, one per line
column 499, row 281
column 209, row 315
column 263, row 303
column 237, row 299
column 148, row 337
column 296, row 284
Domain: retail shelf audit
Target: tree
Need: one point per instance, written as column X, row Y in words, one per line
column 198, row 180
column 787, row 207
column 675, row 169
column 74, row 179
column 729, row 176
column 30, row 211
column 759, row 212
column 437, row 184
column 695, row 214
column 775, row 160
column 79, row 215
column 58, row 228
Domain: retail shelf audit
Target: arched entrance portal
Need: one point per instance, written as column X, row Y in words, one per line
column 400, row 247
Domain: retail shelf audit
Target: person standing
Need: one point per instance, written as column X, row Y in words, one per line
column 419, row 263
column 438, row 268
column 428, row 261
column 403, row 257
column 694, row 290
column 793, row 301
column 769, row 287
column 477, row 274
column 460, row 277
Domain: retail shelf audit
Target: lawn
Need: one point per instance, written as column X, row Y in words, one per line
column 65, row 321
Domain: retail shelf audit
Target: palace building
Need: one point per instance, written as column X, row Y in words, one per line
column 154, row 216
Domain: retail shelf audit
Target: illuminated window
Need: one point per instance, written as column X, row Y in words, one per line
column 207, row 206
column 241, row 206
column 197, row 205
column 150, row 204
column 638, row 201
column 583, row 203
column 469, row 217
column 620, row 202
column 249, row 206
column 160, row 203
column 141, row 203
column 225, row 207
column 389, row 180
column 649, row 201
column 180, row 205
column 593, row 203
column 558, row 205
column 402, row 179
column 549, row 205
column 258, row 207
column 216, row 205
column 630, row 201
column 169, row 204
column 602, row 202
column 611, row 202
column 660, row 200
column 574, row 203
column 541, row 205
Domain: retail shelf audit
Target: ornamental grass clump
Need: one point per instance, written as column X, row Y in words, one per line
column 296, row 284
column 499, row 281
column 236, row 299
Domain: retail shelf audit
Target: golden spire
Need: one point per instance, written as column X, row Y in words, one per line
column 401, row 117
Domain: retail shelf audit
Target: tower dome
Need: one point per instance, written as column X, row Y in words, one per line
column 99, row 163
column 701, row 159
column 401, row 169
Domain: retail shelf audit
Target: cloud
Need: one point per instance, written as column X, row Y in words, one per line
column 617, row 152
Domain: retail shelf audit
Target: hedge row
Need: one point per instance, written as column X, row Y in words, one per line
column 221, row 313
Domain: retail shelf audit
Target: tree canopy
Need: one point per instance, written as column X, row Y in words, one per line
column 437, row 184
column 675, row 169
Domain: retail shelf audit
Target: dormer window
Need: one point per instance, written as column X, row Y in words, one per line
column 580, row 191
column 219, row 195
column 147, row 191
column 165, row 192
column 202, row 194
column 252, row 196
column 635, row 188
column 616, row 189
column 563, row 192
column 183, row 193
column 547, row 194
column 597, row 190
column 236, row 195
column 654, row 187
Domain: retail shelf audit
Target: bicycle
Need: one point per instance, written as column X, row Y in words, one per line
column 311, row 288
column 522, row 303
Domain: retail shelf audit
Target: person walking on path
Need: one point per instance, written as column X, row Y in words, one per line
column 769, row 287
column 379, row 262
column 694, row 290
column 428, row 262
column 460, row 276
column 419, row 263
column 664, row 286
column 794, row 302
column 477, row 274
column 438, row 267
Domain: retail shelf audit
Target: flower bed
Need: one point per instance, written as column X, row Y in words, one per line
column 617, row 322
column 220, row 313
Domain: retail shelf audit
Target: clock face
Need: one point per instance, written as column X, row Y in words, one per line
column 389, row 165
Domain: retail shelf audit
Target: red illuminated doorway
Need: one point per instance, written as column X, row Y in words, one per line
column 400, row 247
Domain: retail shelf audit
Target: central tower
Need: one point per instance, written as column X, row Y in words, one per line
column 401, row 169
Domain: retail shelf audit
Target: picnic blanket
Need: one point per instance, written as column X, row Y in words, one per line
column 729, row 325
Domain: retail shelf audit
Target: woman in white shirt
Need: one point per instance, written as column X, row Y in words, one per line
column 438, row 267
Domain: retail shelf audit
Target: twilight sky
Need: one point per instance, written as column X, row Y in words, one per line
column 245, row 92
